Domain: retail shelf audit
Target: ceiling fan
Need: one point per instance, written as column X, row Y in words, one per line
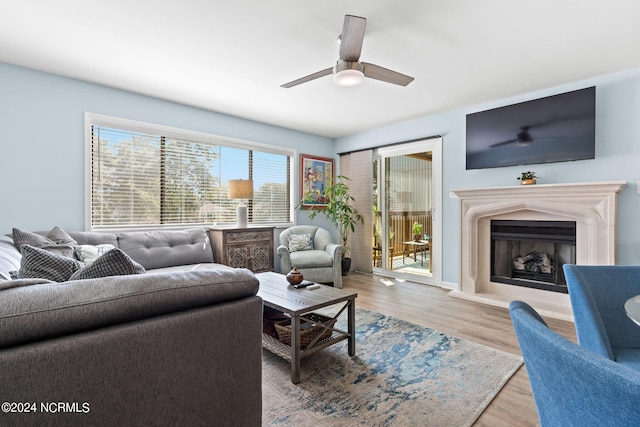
column 348, row 71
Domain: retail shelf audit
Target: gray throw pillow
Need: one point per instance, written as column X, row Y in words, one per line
column 42, row 264
column 113, row 263
column 300, row 242
column 56, row 241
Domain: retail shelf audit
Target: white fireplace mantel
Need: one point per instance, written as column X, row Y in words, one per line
column 593, row 206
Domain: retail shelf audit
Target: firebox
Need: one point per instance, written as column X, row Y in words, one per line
column 532, row 253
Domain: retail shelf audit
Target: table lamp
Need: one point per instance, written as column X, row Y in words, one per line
column 241, row 189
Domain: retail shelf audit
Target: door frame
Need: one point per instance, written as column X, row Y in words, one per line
column 434, row 145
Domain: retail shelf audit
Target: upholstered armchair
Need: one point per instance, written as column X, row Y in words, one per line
column 573, row 386
column 311, row 250
column 598, row 294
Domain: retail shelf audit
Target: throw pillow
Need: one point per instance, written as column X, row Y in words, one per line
column 56, row 241
column 42, row 264
column 89, row 253
column 300, row 242
column 113, row 263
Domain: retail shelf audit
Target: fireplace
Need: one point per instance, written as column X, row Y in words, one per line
column 532, row 253
column 586, row 213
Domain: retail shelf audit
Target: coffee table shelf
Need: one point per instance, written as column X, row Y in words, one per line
column 276, row 293
column 283, row 350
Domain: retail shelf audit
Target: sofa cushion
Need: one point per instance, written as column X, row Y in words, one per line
column 113, row 263
column 94, row 238
column 6, row 284
column 57, row 241
column 166, row 248
column 191, row 267
column 300, row 242
column 32, row 313
column 42, row 264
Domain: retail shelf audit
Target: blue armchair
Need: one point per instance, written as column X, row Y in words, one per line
column 598, row 294
column 573, row 386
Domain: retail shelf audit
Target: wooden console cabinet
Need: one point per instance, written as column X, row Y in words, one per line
column 250, row 248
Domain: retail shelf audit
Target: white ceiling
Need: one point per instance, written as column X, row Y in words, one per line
column 232, row 56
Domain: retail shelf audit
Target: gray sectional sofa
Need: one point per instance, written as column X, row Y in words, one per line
column 177, row 345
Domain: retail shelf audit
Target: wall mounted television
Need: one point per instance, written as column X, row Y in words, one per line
column 557, row 128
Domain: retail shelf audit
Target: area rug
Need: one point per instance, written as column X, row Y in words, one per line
column 402, row 375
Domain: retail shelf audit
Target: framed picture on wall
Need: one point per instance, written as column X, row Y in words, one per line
column 315, row 174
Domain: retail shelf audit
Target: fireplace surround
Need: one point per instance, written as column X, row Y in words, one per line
column 592, row 206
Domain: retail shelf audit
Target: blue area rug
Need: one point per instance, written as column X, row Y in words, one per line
column 402, row 375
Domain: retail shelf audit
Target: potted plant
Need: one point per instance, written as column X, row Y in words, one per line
column 417, row 231
column 340, row 212
column 527, row 178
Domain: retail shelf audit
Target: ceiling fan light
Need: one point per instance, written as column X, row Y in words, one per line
column 348, row 73
column 348, row 77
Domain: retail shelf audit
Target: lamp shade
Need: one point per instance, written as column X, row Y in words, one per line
column 240, row 188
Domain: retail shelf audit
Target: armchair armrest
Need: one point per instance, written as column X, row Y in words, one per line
column 335, row 250
column 285, row 259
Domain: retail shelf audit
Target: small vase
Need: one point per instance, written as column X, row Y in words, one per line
column 294, row 277
column 528, row 181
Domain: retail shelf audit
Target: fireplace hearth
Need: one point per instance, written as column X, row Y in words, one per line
column 532, row 253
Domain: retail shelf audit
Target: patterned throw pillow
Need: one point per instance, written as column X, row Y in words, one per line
column 89, row 253
column 300, row 242
column 56, row 241
column 41, row 264
column 113, row 263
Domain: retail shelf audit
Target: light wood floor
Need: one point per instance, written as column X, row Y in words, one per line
column 432, row 307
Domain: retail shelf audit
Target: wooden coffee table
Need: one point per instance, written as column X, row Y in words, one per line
column 278, row 294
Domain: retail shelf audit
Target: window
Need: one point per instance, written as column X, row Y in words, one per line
column 147, row 175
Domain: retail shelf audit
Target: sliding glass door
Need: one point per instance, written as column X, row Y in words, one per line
column 404, row 231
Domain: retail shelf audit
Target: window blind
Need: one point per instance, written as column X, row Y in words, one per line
column 140, row 179
column 358, row 167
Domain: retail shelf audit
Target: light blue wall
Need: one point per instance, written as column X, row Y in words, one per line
column 617, row 158
column 42, row 148
column 42, row 141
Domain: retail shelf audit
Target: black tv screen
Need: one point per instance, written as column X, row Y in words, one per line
column 557, row 128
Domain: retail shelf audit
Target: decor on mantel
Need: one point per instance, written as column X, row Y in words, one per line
column 241, row 189
column 527, row 178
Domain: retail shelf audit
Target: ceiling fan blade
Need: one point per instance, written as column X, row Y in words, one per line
column 308, row 78
column 352, row 37
column 380, row 73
